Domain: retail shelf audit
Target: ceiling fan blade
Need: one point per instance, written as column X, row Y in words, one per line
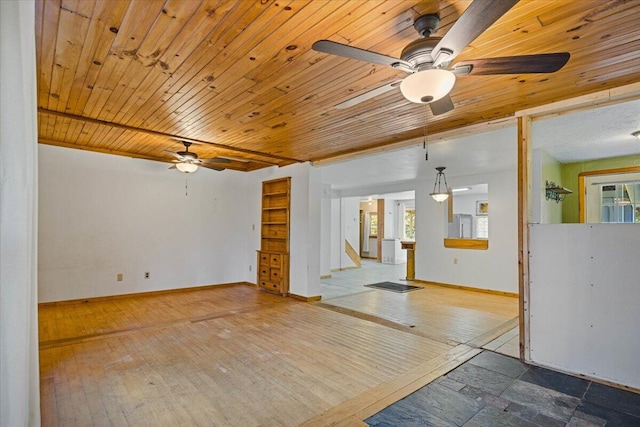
column 217, row 160
column 174, row 154
column 368, row 95
column 441, row 106
column 479, row 16
column 541, row 63
column 173, row 167
column 346, row 51
column 215, row 168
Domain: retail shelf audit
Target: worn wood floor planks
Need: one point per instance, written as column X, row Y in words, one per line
column 227, row 356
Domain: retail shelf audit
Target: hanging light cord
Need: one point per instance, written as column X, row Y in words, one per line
column 425, row 145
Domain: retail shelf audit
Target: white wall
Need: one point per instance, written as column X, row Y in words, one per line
column 325, row 231
column 101, row 215
column 345, row 225
column 19, row 372
column 495, row 268
column 584, row 294
column 350, row 228
column 336, row 234
column 545, row 168
column 389, row 218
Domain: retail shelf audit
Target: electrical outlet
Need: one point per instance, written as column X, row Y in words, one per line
column 455, row 260
column 119, row 277
column 146, row 275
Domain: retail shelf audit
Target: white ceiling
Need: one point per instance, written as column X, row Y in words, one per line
column 586, row 135
column 591, row 134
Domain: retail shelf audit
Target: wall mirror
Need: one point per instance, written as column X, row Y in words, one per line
column 467, row 217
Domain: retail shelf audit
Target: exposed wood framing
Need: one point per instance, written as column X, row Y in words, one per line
column 586, row 102
column 525, row 118
column 524, row 209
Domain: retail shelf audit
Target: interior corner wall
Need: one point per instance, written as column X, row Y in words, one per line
column 326, row 231
column 336, row 233
column 19, row 371
column 350, row 228
column 570, row 172
column 102, row 215
column 390, row 231
column 545, row 168
column 495, row 268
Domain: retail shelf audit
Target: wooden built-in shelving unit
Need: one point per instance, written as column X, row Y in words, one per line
column 273, row 256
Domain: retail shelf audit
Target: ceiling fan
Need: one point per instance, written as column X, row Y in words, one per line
column 188, row 161
column 427, row 59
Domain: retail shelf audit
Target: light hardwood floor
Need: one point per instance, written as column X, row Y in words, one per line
column 231, row 356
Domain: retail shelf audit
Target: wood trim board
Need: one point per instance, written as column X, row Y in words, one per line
column 478, row 244
column 140, row 294
column 582, row 188
column 468, row 288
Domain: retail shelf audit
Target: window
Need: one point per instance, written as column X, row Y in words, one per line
column 619, row 202
column 482, row 227
column 410, row 224
column 373, row 226
column 610, row 196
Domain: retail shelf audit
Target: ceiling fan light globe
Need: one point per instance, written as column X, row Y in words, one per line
column 427, row 86
column 440, row 197
column 186, row 167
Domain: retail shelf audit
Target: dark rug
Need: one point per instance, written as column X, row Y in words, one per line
column 394, row 287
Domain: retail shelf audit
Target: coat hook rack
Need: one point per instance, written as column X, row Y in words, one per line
column 555, row 192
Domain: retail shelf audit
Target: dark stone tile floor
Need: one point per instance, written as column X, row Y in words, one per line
column 492, row 390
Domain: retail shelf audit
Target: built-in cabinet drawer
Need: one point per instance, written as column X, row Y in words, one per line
column 276, row 259
column 273, row 272
column 263, row 258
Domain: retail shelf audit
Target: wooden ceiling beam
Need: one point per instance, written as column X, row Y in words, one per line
column 234, row 165
column 167, row 135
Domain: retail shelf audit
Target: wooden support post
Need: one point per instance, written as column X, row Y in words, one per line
column 524, row 207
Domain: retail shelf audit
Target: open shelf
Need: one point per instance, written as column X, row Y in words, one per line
column 273, row 256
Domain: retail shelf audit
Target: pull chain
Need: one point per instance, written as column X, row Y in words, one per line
column 425, row 145
column 186, row 185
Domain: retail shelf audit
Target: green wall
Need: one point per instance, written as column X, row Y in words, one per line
column 570, row 171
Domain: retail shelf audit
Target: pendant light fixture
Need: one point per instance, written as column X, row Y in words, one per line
column 439, row 194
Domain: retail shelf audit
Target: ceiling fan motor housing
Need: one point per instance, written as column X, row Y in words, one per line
column 418, row 52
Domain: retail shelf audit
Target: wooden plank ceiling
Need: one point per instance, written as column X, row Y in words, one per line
column 240, row 78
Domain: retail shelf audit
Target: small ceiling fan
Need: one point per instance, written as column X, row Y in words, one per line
column 188, row 161
column 427, row 59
